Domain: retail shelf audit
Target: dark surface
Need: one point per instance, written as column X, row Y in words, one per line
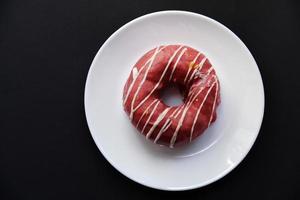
column 46, row 48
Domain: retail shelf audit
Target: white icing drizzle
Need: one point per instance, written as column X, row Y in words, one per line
column 175, row 116
column 214, row 105
column 168, row 125
column 175, row 65
column 146, row 111
column 199, row 109
column 197, row 69
column 209, row 70
column 161, row 131
column 194, row 87
column 190, row 68
column 192, row 98
column 157, row 121
column 189, row 103
column 164, row 126
column 157, row 84
column 133, row 81
column 150, row 116
column 183, row 116
column 191, row 95
column 134, row 73
column 179, row 110
column 141, row 84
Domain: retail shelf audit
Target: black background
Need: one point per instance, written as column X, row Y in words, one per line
column 46, row 48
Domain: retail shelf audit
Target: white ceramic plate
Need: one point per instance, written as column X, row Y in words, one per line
column 221, row 148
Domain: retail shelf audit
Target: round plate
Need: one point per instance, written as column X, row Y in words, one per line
column 211, row 156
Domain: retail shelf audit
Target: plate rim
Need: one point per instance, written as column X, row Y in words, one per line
column 102, row 151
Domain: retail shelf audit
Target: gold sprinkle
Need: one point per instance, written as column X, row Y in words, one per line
column 191, row 64
column 196, row 66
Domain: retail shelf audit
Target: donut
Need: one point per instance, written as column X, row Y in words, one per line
column 197, row 82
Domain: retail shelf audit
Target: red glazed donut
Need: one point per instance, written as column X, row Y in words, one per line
column 192, row 72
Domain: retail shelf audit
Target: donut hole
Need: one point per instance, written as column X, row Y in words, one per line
column 171, row 95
